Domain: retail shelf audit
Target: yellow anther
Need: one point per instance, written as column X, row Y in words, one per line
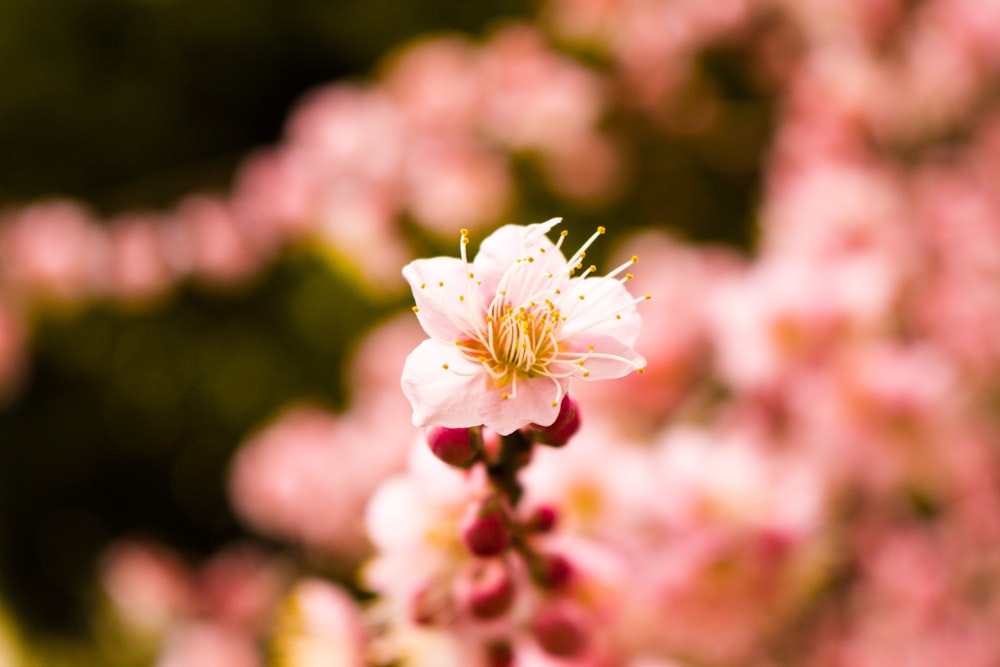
column 472, row 275
column 444, row 366
column 586, row 374
column 618, row 317
column 504, row 396
column 564, row 233
column 641, row 370
column 461, row 297
column 590, row 347
column 580, row 363
column 582, row 297
column 464, row 232
column 601, row 230
column 592, row 268
column 440, row 283
column 635, row 258
column 423, row 285
column 554, row 404
column 648, row 297
column 629, row 276
column 415, row 309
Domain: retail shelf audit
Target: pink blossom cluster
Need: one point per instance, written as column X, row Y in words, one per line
column 805, row 473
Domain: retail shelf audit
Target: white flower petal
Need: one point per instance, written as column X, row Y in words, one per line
column 607, row 309
column 442, row 385
column 501, row 251
column 531, row 403
column 447, row 304
column 609, row 359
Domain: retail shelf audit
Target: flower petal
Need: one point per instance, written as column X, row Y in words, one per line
column 606, row 309
column 531, row 403
column 609, row 359
column 448, row 305
column 441, row 385
column 505, row 249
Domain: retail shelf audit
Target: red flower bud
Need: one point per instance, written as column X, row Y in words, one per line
column 542, row 519
column 560, row 630
column 485, row 528
column 457, row 447
column 565, row 426
column 552, row 571
column 484, row 588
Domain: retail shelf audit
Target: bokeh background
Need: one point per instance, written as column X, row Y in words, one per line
column 206, row 204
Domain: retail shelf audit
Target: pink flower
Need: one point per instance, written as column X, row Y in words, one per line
column 509, row 329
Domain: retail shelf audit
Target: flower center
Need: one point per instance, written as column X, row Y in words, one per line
column 518, row 341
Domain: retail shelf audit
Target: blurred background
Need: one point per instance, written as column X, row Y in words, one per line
column 206, row 205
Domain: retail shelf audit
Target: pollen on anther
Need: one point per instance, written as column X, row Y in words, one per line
column 564, row 233
column 648, row 297
column 440, row 283
column 444, row 366
column 461, row 297
column 554, row 404
column 586, row 374
column 618, row 317
column 415, row 309
column 590, row 347
column 601, row 230
column 635, row 258
column 504, row 396
column 423, row 285
column 640, row 370
column 582, row 297
column 580, row 363
column 472, row 275
column 629, row 276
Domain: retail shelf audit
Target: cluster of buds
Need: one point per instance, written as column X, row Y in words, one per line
column 509, row 573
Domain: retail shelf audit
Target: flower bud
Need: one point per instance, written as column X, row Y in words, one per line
column 542, row 519
column 560, row 630
column 552, row 571
column 484, row 528
column 484, row 588
column 565, row 426
column 457, row 447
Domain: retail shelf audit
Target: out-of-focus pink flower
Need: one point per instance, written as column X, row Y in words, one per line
column 150, row 585
column 240, row 587
column 206, row 644
column 51, row 251
column 215, row 247
column 436, row 83
column 509, row 329
column 540, row 100
column 320, row 626
column 305, row 478
column 454, row 181
column 137, row 267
